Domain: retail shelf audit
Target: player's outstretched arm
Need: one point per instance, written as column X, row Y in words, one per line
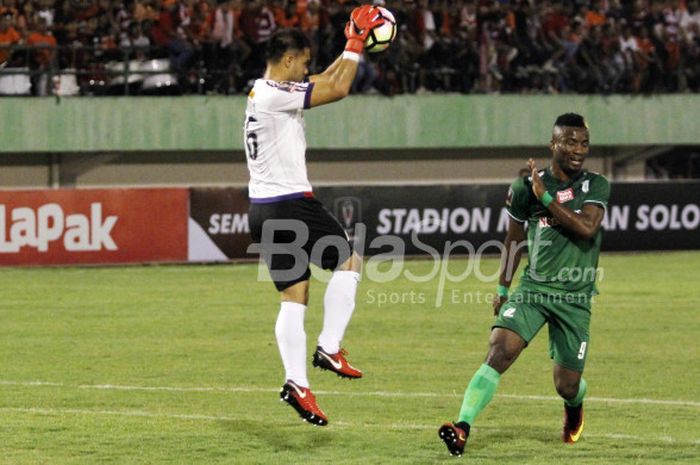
column 334, row 83
column 510, row 260
column 584, row 224
column 315, row 78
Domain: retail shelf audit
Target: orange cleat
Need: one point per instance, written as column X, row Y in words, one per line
column 573, row 424
column 304, row 402
column 335, row 363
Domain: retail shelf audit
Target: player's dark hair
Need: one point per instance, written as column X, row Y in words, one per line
column 573, row 120
column 283, row 41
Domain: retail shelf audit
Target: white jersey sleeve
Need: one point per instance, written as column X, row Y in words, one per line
column 274, row 138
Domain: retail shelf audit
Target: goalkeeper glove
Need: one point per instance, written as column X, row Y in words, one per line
column 362, row 20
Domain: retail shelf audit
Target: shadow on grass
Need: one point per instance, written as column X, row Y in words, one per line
column 482, row 437
column 289, row 435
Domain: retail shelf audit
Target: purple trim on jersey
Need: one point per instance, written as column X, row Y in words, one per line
column 307, row 97
column 282, row 198
column 288, row 86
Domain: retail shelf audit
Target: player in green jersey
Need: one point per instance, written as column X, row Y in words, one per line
column 563, row 206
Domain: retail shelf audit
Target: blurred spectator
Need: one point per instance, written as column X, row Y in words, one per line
column 43, row 57
column 230, row 51
column 165, row 34
column 144, row 11
column 257, row 23
column 46, row 11
column 8, row 37
column 137, row 40
column 422, row 27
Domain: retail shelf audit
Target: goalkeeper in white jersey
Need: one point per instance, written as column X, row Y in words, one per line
column 292, row 227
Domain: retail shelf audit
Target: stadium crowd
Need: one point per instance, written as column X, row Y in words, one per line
column 478, row 46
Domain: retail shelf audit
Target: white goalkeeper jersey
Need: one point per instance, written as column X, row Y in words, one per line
column 275, row 143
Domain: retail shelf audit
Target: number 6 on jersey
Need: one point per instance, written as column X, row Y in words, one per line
column 251, row 140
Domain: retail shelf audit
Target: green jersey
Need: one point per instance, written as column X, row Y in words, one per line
column 558, row 260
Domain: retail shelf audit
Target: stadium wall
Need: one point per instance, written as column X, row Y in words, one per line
column 108, row 226
column 198, row 168
column 199, row 123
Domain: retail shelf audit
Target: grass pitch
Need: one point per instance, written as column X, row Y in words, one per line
column 178, row 365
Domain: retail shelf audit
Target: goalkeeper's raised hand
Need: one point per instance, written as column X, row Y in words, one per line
column 362, row 20
column 335, row 81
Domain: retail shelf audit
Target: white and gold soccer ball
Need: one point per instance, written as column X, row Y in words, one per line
column 381, row 36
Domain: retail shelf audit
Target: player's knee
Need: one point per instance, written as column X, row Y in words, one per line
column 504, row 348
column 566, row 389
column 500, row 357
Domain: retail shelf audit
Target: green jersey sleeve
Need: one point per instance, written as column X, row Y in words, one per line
column 517, row 200
column 598, row 191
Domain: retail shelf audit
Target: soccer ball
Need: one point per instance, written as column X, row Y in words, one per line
column 381, row 36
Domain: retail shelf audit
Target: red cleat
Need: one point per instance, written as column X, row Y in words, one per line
column 335, row 363
column 304, row 402
column 573, row 424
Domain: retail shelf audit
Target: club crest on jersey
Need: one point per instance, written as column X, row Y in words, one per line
column 565, row 195
column 547, row 222
column 585, row 186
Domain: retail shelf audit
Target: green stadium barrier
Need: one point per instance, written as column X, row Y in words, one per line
column 86, row 124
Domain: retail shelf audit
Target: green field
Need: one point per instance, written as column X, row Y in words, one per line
column 178, row 365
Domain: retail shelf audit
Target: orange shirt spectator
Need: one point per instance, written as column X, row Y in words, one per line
column 84, row 14
column 594, row 18
column 280, row 13
column 42, row 37
column 302, row 5
column 8, row 36
column 201, row 22
column 554, row 23
column 107, row 42
column 645, row 45
column 510, row 20
column 237, row 8
column 446, row 28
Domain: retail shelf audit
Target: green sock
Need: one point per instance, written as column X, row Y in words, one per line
column 479, row 393
column 576, row 401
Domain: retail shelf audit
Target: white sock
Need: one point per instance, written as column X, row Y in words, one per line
column 291, row 340
column 338, row 303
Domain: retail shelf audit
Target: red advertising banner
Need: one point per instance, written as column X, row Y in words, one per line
column 99, row 226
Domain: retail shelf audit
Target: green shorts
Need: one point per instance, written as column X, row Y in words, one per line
column 567, row 316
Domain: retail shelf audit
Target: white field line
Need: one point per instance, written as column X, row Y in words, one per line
column 122, row 413
column 342, row 424
column 385, row 394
